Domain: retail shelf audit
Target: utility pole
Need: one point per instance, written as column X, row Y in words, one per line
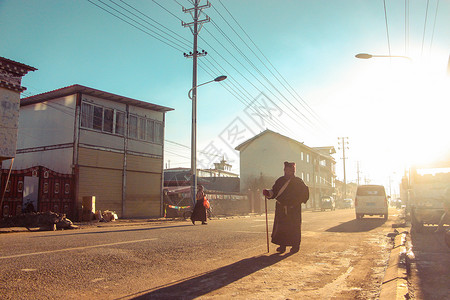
column 195, row 27
column 357, row 172
column 343, row 143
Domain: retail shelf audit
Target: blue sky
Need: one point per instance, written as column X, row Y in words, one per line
column 303, row 68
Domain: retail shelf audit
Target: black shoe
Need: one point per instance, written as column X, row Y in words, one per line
column 204, row 223
column 281, row 249
column 193, row 222
column 295, row 249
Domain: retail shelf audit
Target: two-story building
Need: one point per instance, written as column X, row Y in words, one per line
column 78, row 142
column 261, row 163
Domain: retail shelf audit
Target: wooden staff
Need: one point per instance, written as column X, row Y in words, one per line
column 267, row 225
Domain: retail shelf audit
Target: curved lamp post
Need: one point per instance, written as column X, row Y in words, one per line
column 194, row 135
column 367, row 56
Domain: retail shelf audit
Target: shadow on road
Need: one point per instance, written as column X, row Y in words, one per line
column 200, row 285
column 366, row 224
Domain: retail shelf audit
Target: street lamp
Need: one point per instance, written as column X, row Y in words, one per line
column 367, row 56
column 194, row 134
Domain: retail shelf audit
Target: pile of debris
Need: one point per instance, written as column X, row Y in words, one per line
column 42, row 220
column 106, row 216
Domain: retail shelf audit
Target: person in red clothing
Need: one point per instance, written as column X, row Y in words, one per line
column 290, row 192
column 199, row 213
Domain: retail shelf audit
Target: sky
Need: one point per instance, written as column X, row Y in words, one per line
column 291, row 68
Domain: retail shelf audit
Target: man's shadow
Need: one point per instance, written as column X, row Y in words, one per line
column 203, row 284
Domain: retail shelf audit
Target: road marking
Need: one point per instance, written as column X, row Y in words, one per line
column 76, row 248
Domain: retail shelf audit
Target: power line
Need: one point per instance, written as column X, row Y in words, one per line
column 434, row 25
column 305, row 105
column 304, row 117
column 140, row 29
column 295, row 120
column 186, row 41
column 387, row 28
column 425, row 25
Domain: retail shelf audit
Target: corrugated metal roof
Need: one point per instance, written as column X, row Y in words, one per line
column 76, row 88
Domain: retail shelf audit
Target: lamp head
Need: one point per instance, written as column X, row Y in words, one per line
column 220, row 78
column 363, row 56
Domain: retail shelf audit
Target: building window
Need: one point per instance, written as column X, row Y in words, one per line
column 108, row 120
column 307, row 177
column 102, row 119
column 112, row 121
column 159, row 133
column 301, row 155
column 120, row 123
column 142, row 129
column 98, row 118
column 307, row 158
column 150, row 130
column 132, row 130
column 303, row 176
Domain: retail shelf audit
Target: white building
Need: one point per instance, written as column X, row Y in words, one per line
column 262, row 158
column 78, row 141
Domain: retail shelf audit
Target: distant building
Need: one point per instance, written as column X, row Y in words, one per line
column 350, row 189
column 78, row 141
column 219, row 179
column 261, row 163
column 11, row 74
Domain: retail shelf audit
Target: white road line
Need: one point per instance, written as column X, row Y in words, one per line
column 76, row 248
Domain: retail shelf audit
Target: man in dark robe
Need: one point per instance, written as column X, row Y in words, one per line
column 290, row 192
column 199, row 213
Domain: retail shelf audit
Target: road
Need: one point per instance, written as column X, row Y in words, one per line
column 340, row 258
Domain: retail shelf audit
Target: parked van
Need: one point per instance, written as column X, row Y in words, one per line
column 371, row 200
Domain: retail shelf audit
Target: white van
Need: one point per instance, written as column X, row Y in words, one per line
column 371, row 200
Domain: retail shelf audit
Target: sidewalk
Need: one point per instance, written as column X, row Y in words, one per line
column 118, row 222
column 419, row 264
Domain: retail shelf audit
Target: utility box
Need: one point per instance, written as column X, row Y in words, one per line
column 88, row 208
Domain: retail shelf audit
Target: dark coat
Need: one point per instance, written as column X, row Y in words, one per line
column 288, row 211
column 199, row 213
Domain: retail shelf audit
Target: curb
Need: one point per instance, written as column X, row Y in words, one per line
column 395, row 282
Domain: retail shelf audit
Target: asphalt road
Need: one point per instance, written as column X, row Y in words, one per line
column 340, row 257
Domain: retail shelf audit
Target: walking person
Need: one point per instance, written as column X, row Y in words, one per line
column 290, row 192
column 201, row 205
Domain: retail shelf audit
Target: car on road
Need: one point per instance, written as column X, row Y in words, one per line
column 371, row 200
column 347, row 203
column 327, row 203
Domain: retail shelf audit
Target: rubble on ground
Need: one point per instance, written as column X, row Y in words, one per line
column 42, row 220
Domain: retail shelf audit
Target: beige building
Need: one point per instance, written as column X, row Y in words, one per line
column 261, row 163
column 11, row 74
column 78, row 141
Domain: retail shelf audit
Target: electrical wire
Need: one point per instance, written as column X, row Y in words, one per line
column 234, row 88
column 387, row 28
column 138, row 28
column 425, row 26
column 185, row 42
column 304, row 105
column 434, row 25
column 259, row 50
